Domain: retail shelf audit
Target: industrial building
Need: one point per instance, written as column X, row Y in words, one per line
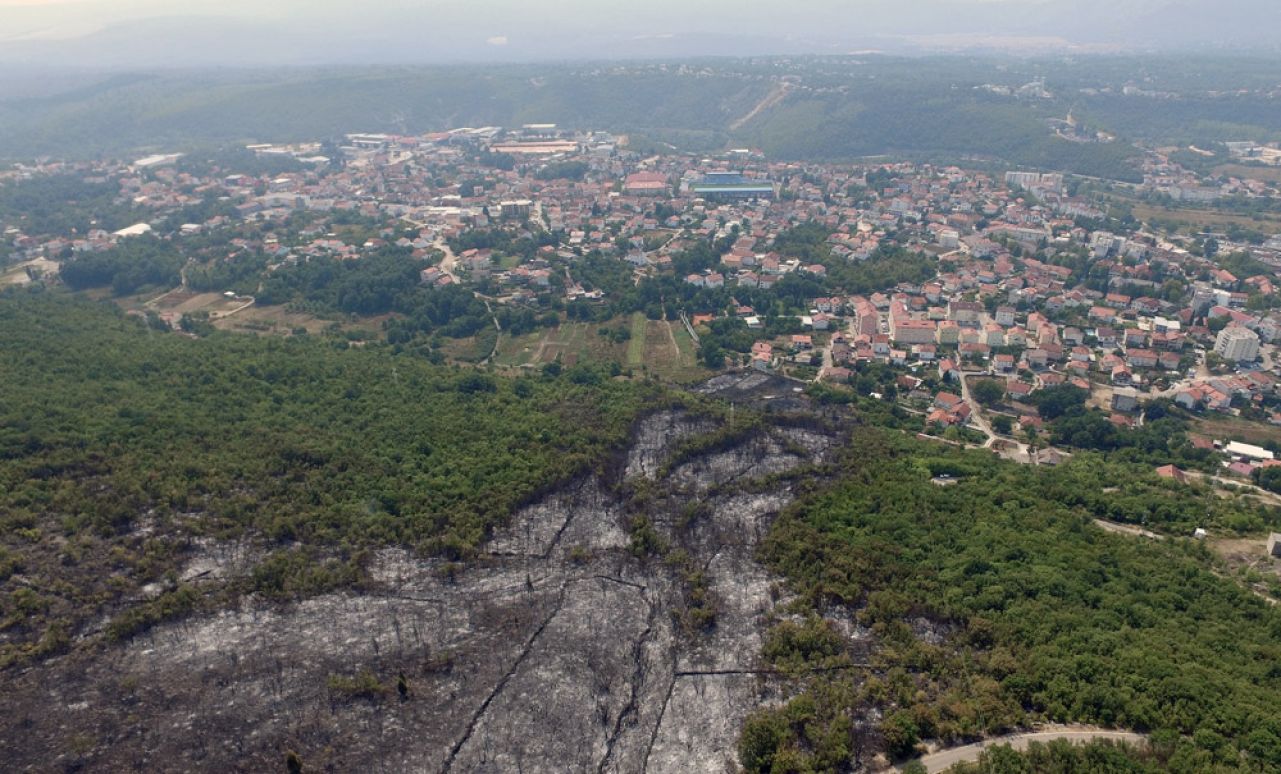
column 731, row 186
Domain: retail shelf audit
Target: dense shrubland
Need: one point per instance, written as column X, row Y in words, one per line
column 994, row 604
column 120, row 445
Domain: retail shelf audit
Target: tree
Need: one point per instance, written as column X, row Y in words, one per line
column 1269, row 478
column 988, row 391
column 713, row 356
column 758, row 745
column 1002, row 424
column 901, row 734
column 1054, row 402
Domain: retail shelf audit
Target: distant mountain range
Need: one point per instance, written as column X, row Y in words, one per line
column 520, row 33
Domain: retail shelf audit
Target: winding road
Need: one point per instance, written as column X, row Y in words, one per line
column 946, row 759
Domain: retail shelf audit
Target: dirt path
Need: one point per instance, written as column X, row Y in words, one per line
column 542, row 346
column 498, row 339
column 671, row 336
column 1127, row 529
column 776, row 95
column 946, row 759
column 1250, row 490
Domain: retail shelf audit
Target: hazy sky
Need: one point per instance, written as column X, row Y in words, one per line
column 308, row 31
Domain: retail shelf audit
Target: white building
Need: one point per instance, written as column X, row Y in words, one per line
column 137, row 229
column 1248, row 451
column 1237, row 344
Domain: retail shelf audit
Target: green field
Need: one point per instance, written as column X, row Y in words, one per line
column 636, row 344
column 670, row 353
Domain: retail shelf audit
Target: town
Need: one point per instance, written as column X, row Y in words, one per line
column 960, row 296
column 865, row 388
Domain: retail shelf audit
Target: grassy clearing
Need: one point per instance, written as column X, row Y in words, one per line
column 516, row 351
column 1231, row 428
column 1248, row 560
column 570, row 342
column 17, row 275
column 472, row 349
column 689, row 351
column 588, row 346
column 1204, row 218
column 670, row 354
column 274, row 319
column 1268, row 174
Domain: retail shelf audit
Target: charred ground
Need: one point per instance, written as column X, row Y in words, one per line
column 615, row 624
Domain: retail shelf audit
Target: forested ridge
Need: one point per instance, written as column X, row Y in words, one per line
column 841, row 107
column 120, row 444
column 995, row 604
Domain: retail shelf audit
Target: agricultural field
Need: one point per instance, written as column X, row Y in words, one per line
column 656, row 346
column 636, row 344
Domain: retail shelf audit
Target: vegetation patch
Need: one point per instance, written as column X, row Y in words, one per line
column 995, row 604
column 118, row 444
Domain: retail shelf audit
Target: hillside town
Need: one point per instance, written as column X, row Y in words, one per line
column 860, row 388
column 1023, row 279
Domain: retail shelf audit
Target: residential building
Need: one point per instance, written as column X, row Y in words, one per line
column 1237, row 344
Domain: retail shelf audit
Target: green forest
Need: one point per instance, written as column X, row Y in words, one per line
column 65, row 204
column 120, row 444
column 994, row 604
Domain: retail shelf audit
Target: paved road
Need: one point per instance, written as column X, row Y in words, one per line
column 450, row 261
column 976, row 411
column 945, row 759
column 828, row 364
